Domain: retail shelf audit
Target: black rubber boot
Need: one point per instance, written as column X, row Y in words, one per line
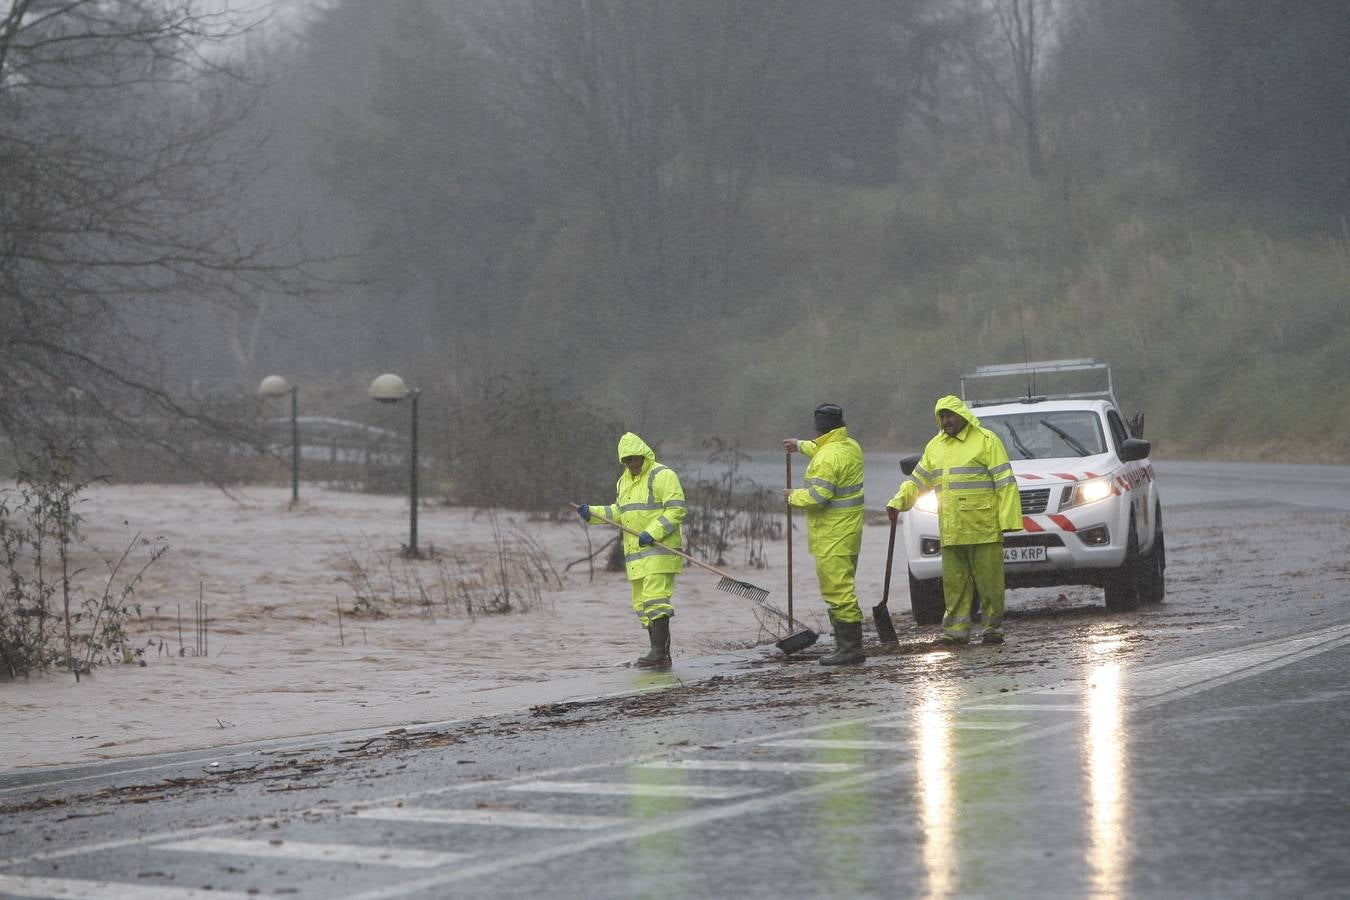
column 848, row 649
column 659, row 656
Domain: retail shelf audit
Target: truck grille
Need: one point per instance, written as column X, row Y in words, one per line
column 1034, row 501
column 1032, row 540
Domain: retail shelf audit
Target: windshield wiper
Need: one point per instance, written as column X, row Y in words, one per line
column 1068, row 439
column 1017, row 442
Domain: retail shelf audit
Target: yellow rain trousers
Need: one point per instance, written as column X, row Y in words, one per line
column 652, row 501
column 833, row 500
column 977, row 502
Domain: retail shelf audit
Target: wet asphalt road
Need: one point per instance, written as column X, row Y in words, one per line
column 1189, row 750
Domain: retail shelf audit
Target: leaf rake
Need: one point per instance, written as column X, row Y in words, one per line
column 756, row 594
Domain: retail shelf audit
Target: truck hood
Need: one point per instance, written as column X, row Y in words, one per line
column 1042, row 472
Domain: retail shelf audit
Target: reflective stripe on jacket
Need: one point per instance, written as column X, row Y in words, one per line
column 977, row 491
column 653, row 502
column 833, row 494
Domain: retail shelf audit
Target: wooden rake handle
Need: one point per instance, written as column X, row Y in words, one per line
column 680, row 553
column 789, row 542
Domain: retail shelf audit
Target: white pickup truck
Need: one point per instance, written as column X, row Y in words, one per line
column 1090, row 507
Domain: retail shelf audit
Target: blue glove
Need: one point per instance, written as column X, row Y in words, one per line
column 585, row 512
column 644, row 539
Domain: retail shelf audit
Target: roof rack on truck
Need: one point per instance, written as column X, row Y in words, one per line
column 1059, row 374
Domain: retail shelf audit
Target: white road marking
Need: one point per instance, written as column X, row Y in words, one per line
column 1022, row 707
column 623, row 788
column 749, row 765
column 838, row 744
column 1307, row 646
column 1190, row 675
column 511, row 818
column 78, row 889
column 1275, row 654
column 404, row 858
column 959, row 725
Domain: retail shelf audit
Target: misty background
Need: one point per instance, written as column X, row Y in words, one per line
column 562, row 219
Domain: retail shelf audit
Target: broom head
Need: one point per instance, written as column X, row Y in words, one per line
column 790, row 644
column 799, row 641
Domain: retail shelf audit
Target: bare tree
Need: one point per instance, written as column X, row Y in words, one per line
column 650, row 110
column 122, row 164
column 1011, row 63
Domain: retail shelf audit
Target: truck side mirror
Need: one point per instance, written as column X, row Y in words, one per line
column 907, row 463
column 1134, row 448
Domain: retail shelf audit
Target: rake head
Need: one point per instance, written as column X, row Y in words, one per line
column 743, row 589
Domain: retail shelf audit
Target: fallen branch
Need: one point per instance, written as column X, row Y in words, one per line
column 603, row 547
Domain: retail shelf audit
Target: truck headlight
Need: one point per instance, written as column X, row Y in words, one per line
column 927, row 502
column 1089, row 491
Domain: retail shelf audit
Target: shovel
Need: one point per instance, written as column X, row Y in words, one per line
column 881, row 615
column 732, row 586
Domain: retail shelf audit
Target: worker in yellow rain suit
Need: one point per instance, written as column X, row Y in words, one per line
column 967, row 465
column 650, row 502
column 833, row 500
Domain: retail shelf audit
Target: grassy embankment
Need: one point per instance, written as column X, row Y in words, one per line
column 1228, row 326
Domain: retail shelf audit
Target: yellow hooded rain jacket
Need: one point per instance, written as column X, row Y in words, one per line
column 977, row 492
column 652, row 502
column 833, row 495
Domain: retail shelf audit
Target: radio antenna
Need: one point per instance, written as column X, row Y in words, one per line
column 1026, row 357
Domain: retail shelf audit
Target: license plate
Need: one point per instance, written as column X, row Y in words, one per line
column 1023, row 554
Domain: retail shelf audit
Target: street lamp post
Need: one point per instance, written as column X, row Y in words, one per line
column 389, row 388
column 275, row 386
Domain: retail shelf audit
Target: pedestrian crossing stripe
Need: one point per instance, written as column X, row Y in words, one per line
column 838, row 744
column 510, row 818
column 622, row 788
column 749, row 765
column 958, row 725
column 81, row 889
column 404, row 858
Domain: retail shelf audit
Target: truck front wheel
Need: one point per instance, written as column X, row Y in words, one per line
column 1153, row 588
column 1123, row 586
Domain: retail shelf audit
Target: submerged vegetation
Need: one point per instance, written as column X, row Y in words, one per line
column 53, row 613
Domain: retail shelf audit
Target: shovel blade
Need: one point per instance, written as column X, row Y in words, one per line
column 799, row 641
column 881, row 616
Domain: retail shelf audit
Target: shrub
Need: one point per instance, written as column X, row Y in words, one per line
column 523, row 442
column 730, row 507
column 47, row 617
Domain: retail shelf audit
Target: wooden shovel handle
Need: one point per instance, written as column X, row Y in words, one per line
column 890, row 554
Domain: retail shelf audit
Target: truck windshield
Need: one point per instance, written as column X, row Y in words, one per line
column 1048, row 435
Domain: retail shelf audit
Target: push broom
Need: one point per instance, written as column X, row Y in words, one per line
column 790, row 644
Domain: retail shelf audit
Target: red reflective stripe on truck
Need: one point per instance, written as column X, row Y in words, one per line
column 1064, row 476
column 1063, row 522
column 1029, row 524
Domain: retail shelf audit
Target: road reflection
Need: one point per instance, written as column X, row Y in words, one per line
column 657, row 859
column 936, row 772
column 843, row 868
column 1106, row 766
column 936, row 784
